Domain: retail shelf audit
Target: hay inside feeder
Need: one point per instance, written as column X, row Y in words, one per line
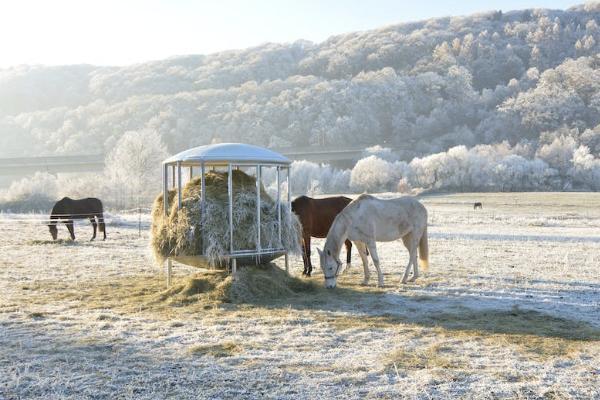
column 187, row 232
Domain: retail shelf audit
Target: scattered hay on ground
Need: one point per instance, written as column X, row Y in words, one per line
column 209, row 288
column 62, row 242
column 225, row 349
column 262, row 284
column 191, row 231
column 265, row 285
column 434, row 356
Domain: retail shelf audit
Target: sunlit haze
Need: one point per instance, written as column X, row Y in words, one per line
column 123, row 32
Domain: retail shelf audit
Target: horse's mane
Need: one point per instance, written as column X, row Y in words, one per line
column 301, row 198
column 357, row 202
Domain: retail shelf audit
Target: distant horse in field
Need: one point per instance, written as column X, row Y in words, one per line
column 368, row 220
column 316, row 217
column 478, row 205
column 66, row 210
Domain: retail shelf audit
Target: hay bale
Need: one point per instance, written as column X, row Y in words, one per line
column 261, row 284
column 266, row 284
column 188, row 232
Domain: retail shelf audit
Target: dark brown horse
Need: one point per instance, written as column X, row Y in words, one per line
column 66, row 210
column 316, row 216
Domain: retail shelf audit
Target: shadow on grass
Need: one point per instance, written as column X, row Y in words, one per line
column 370, row 307
column 267, row 292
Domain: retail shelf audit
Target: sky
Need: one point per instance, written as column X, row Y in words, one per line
column 113, row 32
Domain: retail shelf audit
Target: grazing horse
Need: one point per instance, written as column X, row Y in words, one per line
column 368, row 220
column 66, row 210
column 478, row 205
column 316, row 217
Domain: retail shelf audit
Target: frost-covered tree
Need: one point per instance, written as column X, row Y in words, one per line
column 372, row 174
column 586, row 169
column 559, row 154
column 133, row 167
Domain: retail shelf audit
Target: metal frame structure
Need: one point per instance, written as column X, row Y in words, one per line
column 230, row 156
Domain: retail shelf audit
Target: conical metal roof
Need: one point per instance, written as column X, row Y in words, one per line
column 228, row 153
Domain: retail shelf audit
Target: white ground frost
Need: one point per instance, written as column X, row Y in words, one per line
column 530, row 252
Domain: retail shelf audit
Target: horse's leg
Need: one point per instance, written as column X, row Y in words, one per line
column 372, row 246
column 407, row 240
column 413, row 257
column 348, row 254
column 93, row 221
column 309, row 267
column 71, row 229
column 102, row 225
column 304, row 256
column 362, row 251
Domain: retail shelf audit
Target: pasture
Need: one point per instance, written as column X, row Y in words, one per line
column 510, row 308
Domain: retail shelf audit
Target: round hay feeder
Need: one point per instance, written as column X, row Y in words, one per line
column 205, row 162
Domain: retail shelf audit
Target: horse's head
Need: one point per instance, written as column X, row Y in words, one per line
column 331, row 266
column 53, row 230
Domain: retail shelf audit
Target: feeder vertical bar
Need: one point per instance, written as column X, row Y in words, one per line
column 258, row 168
column 230, row 196
column 169, row 271
column 234, row 268
column 179, row 184
column 173, row 176
column 202, row 200
column 289, row 215
column 289, row 191
column 287, row 262
column 191, row 172
column 165, row 174
column 279, row 203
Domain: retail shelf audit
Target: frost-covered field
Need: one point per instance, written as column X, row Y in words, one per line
column 510, row 308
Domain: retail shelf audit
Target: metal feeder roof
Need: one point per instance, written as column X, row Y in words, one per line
column 228, row 153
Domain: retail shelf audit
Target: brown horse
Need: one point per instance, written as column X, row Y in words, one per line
column 316, row 216
column 66, row 210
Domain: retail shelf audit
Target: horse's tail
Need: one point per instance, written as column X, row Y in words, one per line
column 424, row 250
column 100, row 215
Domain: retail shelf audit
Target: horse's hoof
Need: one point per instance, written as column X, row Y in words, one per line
column 363, row 283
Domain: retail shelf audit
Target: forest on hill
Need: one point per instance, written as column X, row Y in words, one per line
column 522, row 84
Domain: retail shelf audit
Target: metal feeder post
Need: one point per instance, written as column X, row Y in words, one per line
column 289, row 202
column 230, row 195
column 258, row 245
column 179, row 184
column 279, row 203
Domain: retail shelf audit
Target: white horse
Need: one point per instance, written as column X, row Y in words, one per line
column 367, row 220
